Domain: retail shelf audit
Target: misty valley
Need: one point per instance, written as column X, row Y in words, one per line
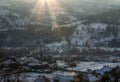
column 59, row 41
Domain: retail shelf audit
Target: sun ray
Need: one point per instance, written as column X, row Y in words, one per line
column 45, row 8
column 53, row 9
column 38, row 9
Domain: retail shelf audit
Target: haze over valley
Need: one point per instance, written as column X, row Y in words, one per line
column 47, row 37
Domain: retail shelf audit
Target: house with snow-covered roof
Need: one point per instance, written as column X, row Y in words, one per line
column 92, row 78
column 103, row 70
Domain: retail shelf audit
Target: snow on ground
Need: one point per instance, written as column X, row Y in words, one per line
column 83, row 34
column 57, row 46
column 31, row 77
column 83, row 66
column 4, row 12
column 92, row 78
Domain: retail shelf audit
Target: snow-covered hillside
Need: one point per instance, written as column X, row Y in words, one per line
column 11, row 18
column 93, row 34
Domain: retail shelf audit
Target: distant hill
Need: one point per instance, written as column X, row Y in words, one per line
column 110, row 17
column 99, row 30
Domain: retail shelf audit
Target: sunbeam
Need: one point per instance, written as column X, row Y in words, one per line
column 53, row 13
column 47, row 8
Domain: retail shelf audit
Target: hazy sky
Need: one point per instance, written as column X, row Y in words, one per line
column 68, row 2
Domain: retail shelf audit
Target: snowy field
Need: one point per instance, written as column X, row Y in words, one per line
column 31, row 77
column 83, row 66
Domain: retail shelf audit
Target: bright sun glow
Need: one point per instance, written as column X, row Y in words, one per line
column 43, row 7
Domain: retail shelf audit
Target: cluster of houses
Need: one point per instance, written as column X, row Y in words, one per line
column 24, row 64
column 29, row 69
column 106, row 74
